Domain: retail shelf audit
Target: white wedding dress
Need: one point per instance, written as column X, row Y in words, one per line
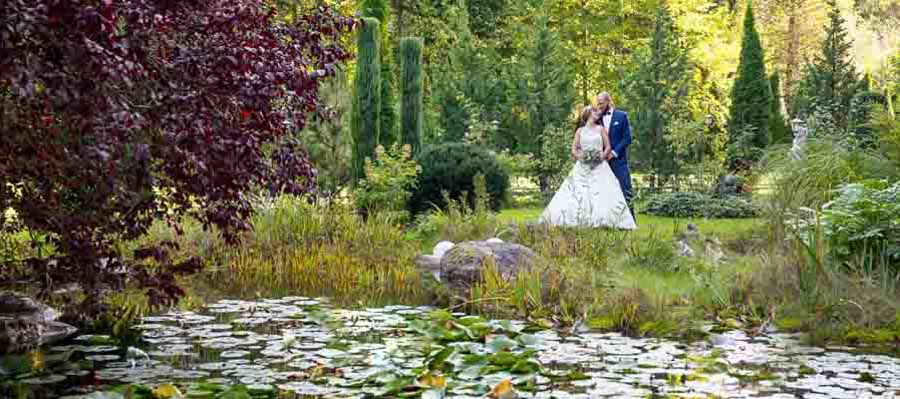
column 589, row 196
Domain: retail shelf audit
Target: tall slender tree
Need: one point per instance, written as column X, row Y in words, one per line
column 831, row 79
column 656, row 90
column 381, row 10
column 367, row 96
column 412, row 92
column 779, row 132
column 748, row 121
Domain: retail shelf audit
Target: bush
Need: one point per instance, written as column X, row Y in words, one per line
column 690, row 204
column 452, row 167
column 861, row 226
column 389, row 180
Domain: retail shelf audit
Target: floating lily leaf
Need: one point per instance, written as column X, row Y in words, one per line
column 504, row 359
column 433, row 394
column 235, row 392
column 501, row 343
column 440, row 315
column 508, row 326
column 167, row 391
column 437, row 360
column 471, row 372
column 528, row 340
column 526, row 366
column 104, row 395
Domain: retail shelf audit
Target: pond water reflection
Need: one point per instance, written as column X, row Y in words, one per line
column 303, row 347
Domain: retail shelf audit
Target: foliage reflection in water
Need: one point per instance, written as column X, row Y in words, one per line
column 302, row 347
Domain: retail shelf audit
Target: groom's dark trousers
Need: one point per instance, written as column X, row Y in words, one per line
column 620, row 139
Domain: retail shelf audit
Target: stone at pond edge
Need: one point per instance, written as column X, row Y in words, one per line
column 26, row 324
column 461, row 267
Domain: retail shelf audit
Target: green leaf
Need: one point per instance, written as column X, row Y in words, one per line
column 504, row 359
column 433, row 394
column 501, row 343
column 439, row 358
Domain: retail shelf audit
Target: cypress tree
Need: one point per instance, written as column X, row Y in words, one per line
column 412, row 92
column 750, row 99
column 380, row 10
column 779, row 133
column 367, row 99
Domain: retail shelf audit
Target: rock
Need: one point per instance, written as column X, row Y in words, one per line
column 430, row 264
column 441, row 248
column 494, row 240
column 462, row 266
column 26, row 324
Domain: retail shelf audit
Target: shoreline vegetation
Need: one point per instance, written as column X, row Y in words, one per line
column 635, row 283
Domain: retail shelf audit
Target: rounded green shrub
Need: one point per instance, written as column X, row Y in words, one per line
column 693, row 204
column 451, row 168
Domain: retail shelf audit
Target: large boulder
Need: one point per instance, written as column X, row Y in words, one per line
column 462, row 265
column 26, row 324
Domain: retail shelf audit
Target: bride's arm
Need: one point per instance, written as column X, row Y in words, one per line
column 606, row 144
column 576, row 143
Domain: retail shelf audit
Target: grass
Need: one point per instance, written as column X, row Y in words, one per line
column 664, row 227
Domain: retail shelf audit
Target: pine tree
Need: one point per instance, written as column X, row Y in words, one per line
column 831, row 79
column 412, row 92
column 655, row 91
column 779, row 132
column 367, row 100
column 748, row 121
column 380, row 10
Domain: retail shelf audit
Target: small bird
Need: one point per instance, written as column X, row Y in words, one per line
column 133, row 354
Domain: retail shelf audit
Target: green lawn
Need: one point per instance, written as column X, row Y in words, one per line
column 661, row 227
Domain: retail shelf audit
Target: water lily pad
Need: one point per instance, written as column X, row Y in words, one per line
column 44, row 380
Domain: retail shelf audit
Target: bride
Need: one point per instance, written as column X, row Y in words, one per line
column 590, row 195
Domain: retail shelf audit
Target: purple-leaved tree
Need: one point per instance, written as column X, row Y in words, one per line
column 114, row 113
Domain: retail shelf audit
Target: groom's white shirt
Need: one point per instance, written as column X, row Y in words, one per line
column 607, row 119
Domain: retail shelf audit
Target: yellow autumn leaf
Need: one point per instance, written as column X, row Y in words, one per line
column 503, row 390
column 433, row 381
column 167, row 391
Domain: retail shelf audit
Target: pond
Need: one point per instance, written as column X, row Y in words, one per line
column 303, row 347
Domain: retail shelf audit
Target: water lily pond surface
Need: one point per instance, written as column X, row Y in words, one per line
column 303, row 347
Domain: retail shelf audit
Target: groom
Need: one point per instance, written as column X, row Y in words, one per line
column 620, row 137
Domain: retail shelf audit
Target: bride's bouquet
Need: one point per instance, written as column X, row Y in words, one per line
column 592, row 157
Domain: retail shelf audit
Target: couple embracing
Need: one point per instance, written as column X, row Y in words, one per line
column 597, row 192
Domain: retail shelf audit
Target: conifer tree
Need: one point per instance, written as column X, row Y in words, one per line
column 412, row 92
column 655, row 91
column 367, row 96
column 380, row 10
column 779, row 132
column 831, row 79
column 748, row 121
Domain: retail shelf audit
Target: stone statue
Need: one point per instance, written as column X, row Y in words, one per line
column 800, row 132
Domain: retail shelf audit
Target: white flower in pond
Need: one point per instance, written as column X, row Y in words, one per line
column 288, row 340
column 133, row 354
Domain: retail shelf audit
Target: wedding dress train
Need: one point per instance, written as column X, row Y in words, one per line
column 590, row 196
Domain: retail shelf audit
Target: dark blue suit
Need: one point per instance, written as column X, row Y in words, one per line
column 620, row 139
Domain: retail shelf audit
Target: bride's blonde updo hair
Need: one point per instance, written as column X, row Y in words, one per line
column 585, row 115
